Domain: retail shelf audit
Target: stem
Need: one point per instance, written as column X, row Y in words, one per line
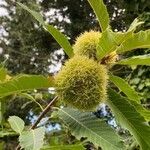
column 44, row 112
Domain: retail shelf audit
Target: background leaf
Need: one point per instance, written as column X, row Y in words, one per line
column 101, row 13
column 33, row 139
column 129, row 118
column 59, row 37
column 136, row 60
column 85, row 124
column 16, row 123
column 24, row 83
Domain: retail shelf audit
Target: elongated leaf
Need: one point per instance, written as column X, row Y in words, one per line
column 138, row 40
column 125, row 88
column 59, row 37
column 109, row 42
column 16, row 123
column 24, row 83
column 64, row 147
column 85, row 124
column 101, row 13
column 129, row 118
column 33, row 139
column 3, row 73
column 135, row 24
column 136, row 60
column 143, row 111
column 7, row 133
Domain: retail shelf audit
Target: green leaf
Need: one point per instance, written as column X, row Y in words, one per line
column 129, row 118
column 136, row 60
column 64, row 147
column 59, row 37
column 85, row 124
column 109, row 42
column 135, row 24
column 101, row 12
column 143, row 111
column 16, row 123
column 7, row 133
column 35, row 14
column 24, row 83
column 3, row 73
column 33, row 139
column 138, row 40
column 125, row 88
column 28, row 96
column 2, row 110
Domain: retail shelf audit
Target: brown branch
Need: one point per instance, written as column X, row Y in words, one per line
column 44, row 112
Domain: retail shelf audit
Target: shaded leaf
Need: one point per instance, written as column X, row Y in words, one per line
column 129, row 118
column 3, row 73
column 125, row 88
column 64, row 147
column 33, row 139
column 16, row 123
column 136, row 60
column 24, row 83
column 101, row 13
column 85, row 124
column 143, row 111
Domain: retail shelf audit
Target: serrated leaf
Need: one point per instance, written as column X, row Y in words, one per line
column 101, row 13
column 129, row 118
column 137, row 40
column 136, row 60
column 109, row 42
column 16, row 123
column 85, row 124
column 24, row 83
column 64, row 147
column 33, row 139
column 58, row 36
column 125, row 88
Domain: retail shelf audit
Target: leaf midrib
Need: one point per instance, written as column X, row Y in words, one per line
column 89, row 129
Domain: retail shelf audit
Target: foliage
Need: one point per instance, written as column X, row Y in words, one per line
column 127, row 110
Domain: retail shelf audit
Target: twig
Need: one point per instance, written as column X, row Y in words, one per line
column 44, row 112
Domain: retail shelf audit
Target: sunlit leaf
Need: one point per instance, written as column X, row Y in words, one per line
column 33, row 139
column 24, row 83
column 136, row 41
column 109, row 42
column 136, row 60
column 101, row 13
column 16, row 123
